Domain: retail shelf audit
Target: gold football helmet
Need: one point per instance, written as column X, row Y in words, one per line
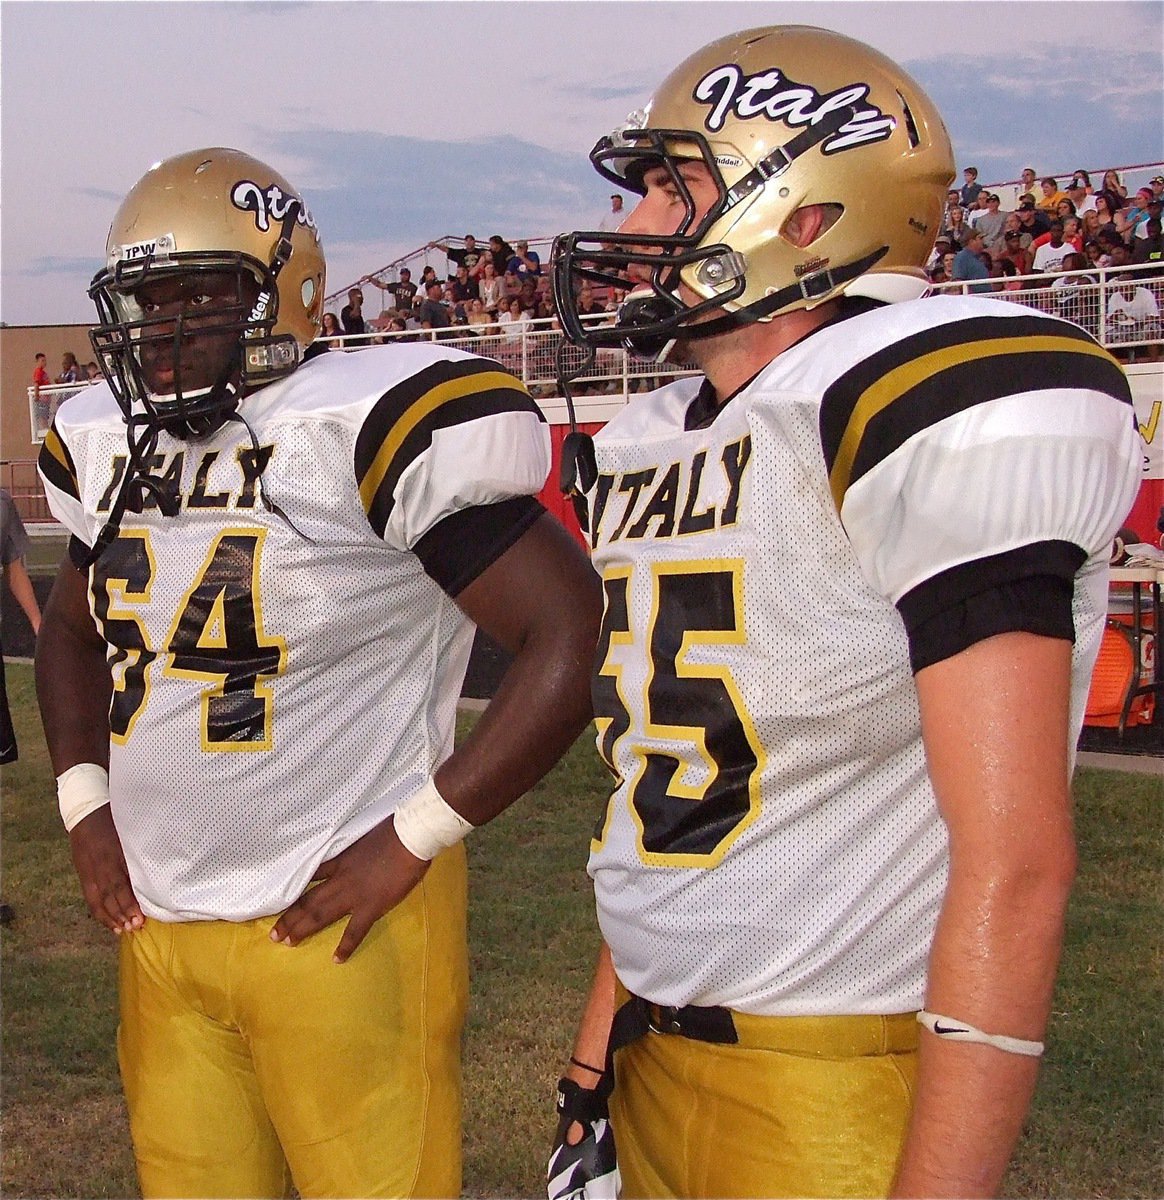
column 213, row 286
column 782, row 117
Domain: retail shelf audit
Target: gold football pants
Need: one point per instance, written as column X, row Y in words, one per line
column 249, row 1065
column 801, row 1106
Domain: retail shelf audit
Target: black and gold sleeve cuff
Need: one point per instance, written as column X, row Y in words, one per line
column 1028, row 590
column 459, row 548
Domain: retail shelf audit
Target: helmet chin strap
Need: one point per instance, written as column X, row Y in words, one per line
column 814, row 287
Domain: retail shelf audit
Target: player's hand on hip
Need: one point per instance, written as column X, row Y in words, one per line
column 364, row 881
column 100, row 865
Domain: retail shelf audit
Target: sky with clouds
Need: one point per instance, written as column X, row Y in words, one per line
column 405, row 122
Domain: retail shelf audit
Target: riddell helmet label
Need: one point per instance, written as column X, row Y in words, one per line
column 773, row 95
column 268, row 204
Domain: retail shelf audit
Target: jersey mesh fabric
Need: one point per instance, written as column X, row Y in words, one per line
column 819, row 894
column 364, row 654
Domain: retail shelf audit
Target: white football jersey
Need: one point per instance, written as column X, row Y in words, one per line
column 280, row 685
column 773, row 842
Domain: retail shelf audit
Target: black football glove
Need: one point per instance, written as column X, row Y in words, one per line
column 587, row 1170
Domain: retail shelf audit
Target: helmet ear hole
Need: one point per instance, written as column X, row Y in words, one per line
column 810, row 222
column 910, row 123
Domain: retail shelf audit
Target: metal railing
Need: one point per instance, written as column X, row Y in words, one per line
column 1121, row 308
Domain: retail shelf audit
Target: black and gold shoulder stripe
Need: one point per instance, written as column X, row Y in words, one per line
column 56, row 464
column 401, row 425
column 876, row 406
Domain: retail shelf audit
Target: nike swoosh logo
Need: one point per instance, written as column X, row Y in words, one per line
column 948, row 1029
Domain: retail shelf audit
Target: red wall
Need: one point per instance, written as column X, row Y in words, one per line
column 550, row 495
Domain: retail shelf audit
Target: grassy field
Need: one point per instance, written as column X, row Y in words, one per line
column 1096, row 1129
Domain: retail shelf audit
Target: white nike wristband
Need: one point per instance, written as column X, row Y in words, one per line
column 959, row 1031
column 81, row 790
column 426, row 825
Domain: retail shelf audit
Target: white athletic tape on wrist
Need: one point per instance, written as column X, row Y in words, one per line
column 81, row 790
column 426, row 825
column 959, row 1031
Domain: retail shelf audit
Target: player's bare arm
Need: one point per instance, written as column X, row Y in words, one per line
column 73, row 689
column 998, row 939
column 541, row 706
column 590, row 1042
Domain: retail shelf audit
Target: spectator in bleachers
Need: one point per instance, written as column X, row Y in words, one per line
column 1065, row 208
column 492, row 286
column 613, row 219
column 1014, row 225
column 1114, row 188
column 1133, row 313
column 970, row 187
column 1069, row 301
column 588, row 303
column 1015, row 253
column 512, row 322
column 449, row 299
column 428, row 275
column 943, row 244
column 524, row 262
column 403, row 291
column 944, row 264
column 1027, row 179
column 330, row 329
column 512, row 288
column 1073, row 234
column 464, row 288
column 432, row 313
column 992, row 222
column 501, row 252
column 352, row 313
column 1050, row 254
column 1005, row 272
column 1080, row 193
column 1110, row 245
column 467, row 256
column 1147, row 248
column 957, row 226
column 40, row 375
column 1157, row 186
column 70, row 369
column 528, row 295
column 1032, row 220
column 1153, row 209
column 477, row 315
column 1049, row 201
column 1089, row 225
column 1109, row 217
column 1137, row 211
column 92, row 372
column 968, row 264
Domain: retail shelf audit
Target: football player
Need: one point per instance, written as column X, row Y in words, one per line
column 855, row 580
column 249, row 672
